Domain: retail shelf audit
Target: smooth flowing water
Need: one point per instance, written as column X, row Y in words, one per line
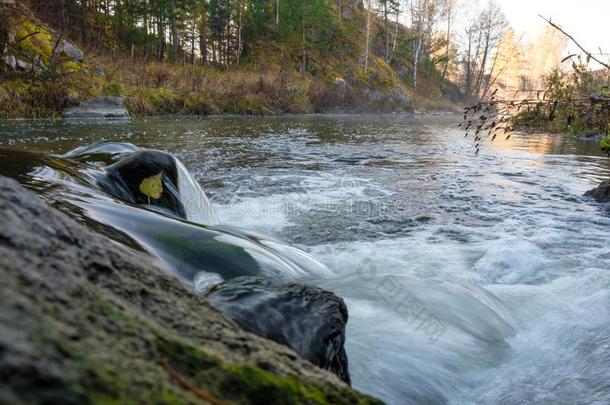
column 469, row 279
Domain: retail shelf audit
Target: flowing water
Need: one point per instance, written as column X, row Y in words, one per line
column 469, row 279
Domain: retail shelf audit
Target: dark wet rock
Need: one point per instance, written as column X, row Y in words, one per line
column 184, row 248
column 308, row 319
column 102, row 153
column 124, row 178
column 83, row 320
column 600, row 193
column 71, row 51
column 99, row 107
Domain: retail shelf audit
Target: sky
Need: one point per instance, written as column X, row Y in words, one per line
column 586, row 20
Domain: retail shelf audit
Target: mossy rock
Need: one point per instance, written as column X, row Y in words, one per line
column 86, row 321
column 34, row 40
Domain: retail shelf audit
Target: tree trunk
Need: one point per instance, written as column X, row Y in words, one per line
column 203, row 48
column 83, row 19
column 161, row 32
column 395, row 35
column 277, row 14
column 416, row 62
column 193, row 43
column 448, row 48
column 239, row 44
column 468, row 67
column 304, row 48
column 481, row 74
column 386, row 52
column 489, row 81
column 175, row 40
column 368, row 36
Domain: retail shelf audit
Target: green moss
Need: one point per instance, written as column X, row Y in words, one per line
column 110, row 310
column 248, row 383
column 149, row 380
column 114, row 89
column 72, row 66
column 32, row 98
column 604, row 144
column 263, row 387
column 186, row 358
column 246, row 105
column 34, row 40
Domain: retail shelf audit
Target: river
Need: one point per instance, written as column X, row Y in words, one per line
column 469, row 278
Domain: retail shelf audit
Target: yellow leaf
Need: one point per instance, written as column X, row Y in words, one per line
column 152, row 187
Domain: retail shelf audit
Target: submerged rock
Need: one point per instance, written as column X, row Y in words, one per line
column 85, row 320
column 185, row 248
column 99, row 107
column 600, row 193
column 146, row 177
column 307, row 319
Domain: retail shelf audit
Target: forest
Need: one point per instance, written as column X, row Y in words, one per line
column 265, row 56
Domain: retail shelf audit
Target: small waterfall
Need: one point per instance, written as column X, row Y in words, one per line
column 94, row 184
column 196, row 204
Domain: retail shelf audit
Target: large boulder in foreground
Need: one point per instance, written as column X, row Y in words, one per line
column 307, row 319
column 600, row 193
column 100, row 107
column 84, row 320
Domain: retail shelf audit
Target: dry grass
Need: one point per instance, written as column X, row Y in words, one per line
column 162, row 88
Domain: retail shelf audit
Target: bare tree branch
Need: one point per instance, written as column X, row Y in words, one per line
column 589, row 54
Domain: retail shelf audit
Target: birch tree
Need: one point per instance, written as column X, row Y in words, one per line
column 387, row 9
column 449, row 5
column 367, row 37
column 483, row 35
column 424, row 15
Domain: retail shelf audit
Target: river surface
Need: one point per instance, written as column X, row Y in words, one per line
column 469, row 279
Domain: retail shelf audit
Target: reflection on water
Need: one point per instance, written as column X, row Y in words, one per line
column 469, row 279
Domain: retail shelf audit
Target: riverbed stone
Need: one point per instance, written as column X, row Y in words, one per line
column 99, row 107
column 83, row 319
column 307, row 319
column 600, row 193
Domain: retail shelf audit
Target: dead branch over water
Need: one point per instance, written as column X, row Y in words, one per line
column 488, row 119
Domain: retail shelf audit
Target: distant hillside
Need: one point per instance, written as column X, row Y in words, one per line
column 312, row 61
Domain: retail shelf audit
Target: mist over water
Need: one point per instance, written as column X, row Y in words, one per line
column 468, row 279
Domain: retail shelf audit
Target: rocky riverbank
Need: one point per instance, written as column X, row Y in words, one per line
column 600, row 193
column 85, row 320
